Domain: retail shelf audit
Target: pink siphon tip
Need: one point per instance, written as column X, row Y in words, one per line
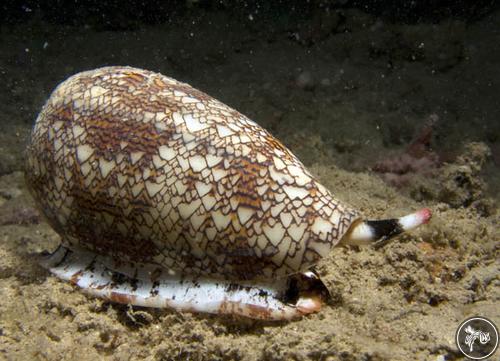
column 415, row 219
column 425, row 215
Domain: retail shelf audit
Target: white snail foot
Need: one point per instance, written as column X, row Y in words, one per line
column 148, row 285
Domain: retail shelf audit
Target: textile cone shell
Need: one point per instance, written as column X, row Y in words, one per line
column 137, row 166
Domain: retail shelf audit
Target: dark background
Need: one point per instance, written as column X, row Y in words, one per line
column 116, row 14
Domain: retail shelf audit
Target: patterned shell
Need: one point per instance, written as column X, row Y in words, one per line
column 138, row 166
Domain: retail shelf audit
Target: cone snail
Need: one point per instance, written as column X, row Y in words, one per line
column 165, row 197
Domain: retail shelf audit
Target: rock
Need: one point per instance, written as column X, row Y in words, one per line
column 461, row 181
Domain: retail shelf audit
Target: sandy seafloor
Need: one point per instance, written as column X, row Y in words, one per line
column 343, row 92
